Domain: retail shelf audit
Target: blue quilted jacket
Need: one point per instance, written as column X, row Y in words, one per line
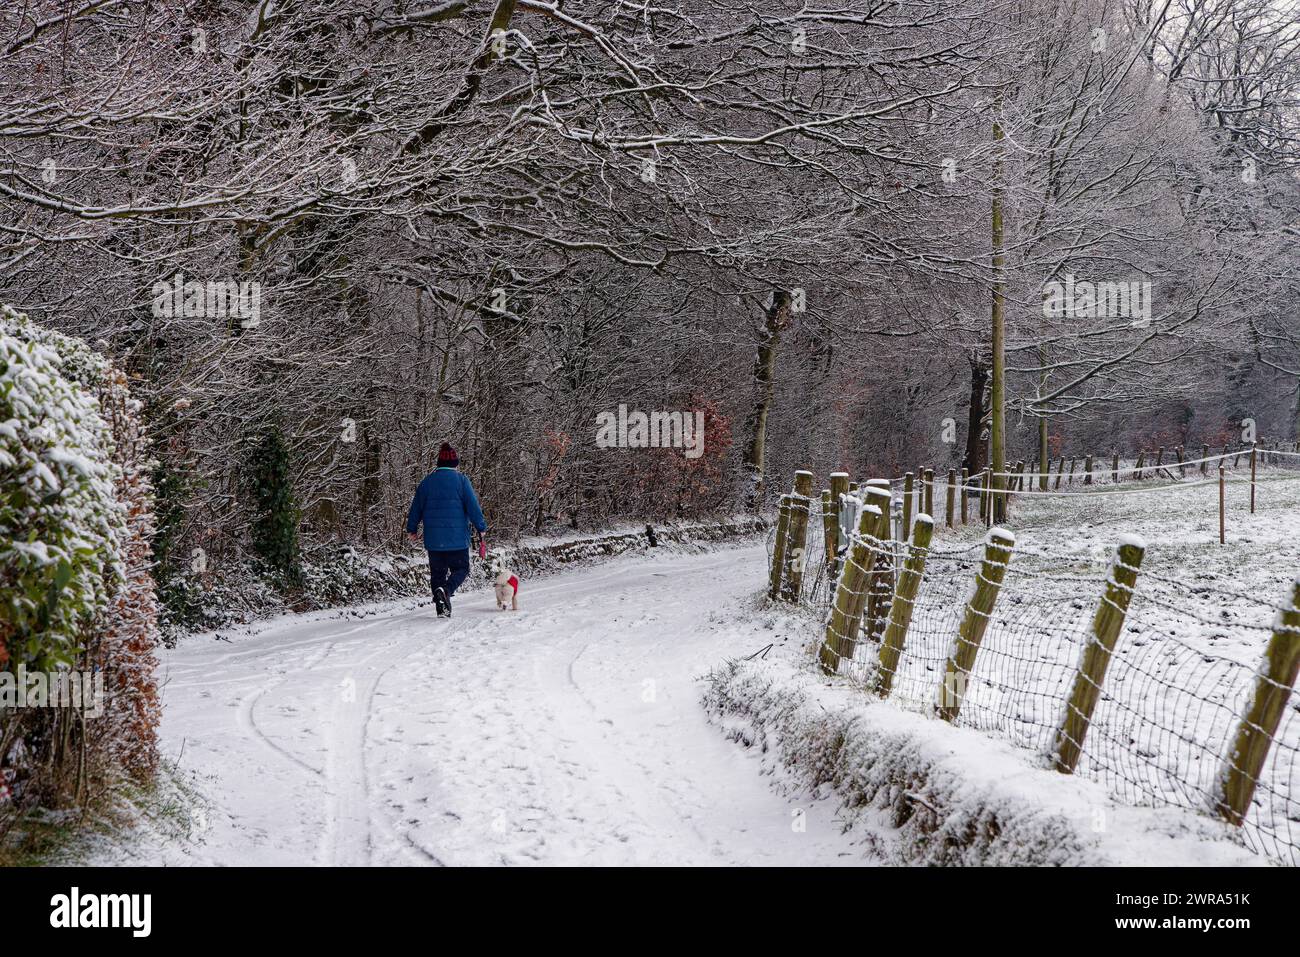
column 446, row 504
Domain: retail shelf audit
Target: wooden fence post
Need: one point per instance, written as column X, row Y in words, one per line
column 778, row 548
column 1205, row 454
column 795, row 550
column 850, row 594
column 829, row 532
column 961, row 660
column 1095, row 658
column 929, row 493
column 1114, row 465
column 907, row 504
column 1087, row 470
column 1060, row 470
column 1222, row 504
column 839, row 486
column 882, row 496
column 1244, row 763
column 1137, row 469
column 1252, row 479
column 1182, row 469
column 965, row 480
column 952, row 495
column 900, row 612
column 880, row 582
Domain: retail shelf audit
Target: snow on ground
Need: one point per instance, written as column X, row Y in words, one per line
column 1179, row 521
column 1184, row 665
column 942, row 795
column 571, row 732
column 568, row 733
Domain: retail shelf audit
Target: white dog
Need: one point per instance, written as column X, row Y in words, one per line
column 507, row 588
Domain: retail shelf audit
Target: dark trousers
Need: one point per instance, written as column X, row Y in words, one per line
column 448, row 569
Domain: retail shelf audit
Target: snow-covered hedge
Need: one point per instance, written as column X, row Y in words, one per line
column 75, row 526
column 61, row 525
column 921, row 791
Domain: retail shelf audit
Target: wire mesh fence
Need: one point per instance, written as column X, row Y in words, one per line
column 1121, row 476
column 1170, row 705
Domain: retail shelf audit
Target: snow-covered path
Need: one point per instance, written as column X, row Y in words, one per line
column 569, row 732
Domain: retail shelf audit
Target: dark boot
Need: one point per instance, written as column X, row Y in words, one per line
column 441, row 603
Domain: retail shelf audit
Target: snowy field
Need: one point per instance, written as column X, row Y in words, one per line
column 1179, row 522
column 1183, row 670
column 570, row 732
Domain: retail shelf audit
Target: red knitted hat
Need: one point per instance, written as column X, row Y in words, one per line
column 447, row 457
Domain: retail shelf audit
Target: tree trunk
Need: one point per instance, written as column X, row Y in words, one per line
column 769, row 337
column 1295, row 412
column 974, row 459
column 1042, row 454
column 1042, row 420
column 998, row 397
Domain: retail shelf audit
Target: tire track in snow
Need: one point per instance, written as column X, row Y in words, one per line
column 533, row 721
column 390, row 827
column 345, row 829
column 247, row 719
column 349, row 841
